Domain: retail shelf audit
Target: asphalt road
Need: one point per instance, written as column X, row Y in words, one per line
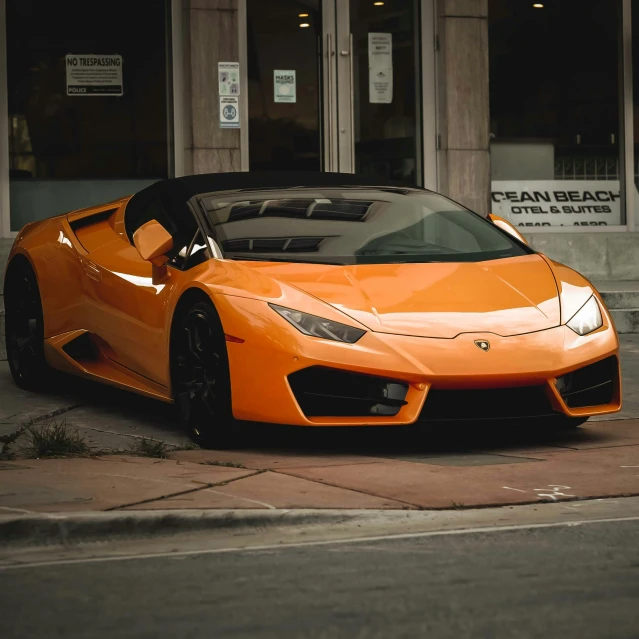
column 568, row 581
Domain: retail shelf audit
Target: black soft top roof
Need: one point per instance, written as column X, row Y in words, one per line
column 176, row 192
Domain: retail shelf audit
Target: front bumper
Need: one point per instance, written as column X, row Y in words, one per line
column 261, row 368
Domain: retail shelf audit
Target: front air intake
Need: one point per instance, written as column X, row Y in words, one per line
column 328, row 392
column 592, row 385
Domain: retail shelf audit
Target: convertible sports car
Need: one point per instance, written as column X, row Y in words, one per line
column 308, row 299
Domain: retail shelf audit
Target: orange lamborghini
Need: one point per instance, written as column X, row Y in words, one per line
column 308, row 299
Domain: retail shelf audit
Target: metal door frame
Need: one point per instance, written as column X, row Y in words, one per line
column 5, row 212
column 339, row 99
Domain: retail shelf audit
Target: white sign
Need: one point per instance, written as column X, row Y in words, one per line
column 229, row 112
column 94, row 75
column 380, row 68
column 557, row 202
column 284, row 86
column 228, row 74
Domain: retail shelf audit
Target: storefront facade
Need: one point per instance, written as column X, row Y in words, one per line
column 526, row 109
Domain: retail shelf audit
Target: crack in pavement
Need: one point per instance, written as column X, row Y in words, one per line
column 49, row 415
column 354, row 490
column 112, row 432
column 185, row 492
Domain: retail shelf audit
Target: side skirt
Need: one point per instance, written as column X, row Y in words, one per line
column 84, row 354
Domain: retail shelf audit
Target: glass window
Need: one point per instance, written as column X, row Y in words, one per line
column 88, row 114
column 386, row 89
column 555, row 112
column 284, row 39
column 355, row 226
column 635, row 109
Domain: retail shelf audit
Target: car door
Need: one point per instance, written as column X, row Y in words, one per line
column 130, row 311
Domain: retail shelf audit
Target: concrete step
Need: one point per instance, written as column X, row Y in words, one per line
column 618, row 300
column 622, row 299
column 626, row 319
column 619, row 294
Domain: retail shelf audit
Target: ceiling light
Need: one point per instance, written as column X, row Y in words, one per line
column 304, row 25
column 378, row 4
column 538, row 5
column 303, row 15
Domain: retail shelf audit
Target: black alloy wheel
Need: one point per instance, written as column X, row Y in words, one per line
column 200, row 378
column 24, row 326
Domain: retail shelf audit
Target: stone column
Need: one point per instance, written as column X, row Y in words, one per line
column 210, row 35
column 464, row 156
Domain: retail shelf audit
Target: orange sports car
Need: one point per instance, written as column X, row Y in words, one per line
column 316, row 299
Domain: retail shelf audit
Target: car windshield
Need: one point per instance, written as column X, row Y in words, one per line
column 352, row 225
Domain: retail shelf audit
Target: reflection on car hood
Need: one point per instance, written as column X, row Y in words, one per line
column 507, row 297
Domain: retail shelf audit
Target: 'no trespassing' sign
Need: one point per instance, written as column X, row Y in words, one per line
column 94, row 75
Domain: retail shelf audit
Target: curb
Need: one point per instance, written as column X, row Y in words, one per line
column 76, row 528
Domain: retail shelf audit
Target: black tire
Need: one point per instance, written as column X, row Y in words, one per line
column 24, row 326
column 200, row 377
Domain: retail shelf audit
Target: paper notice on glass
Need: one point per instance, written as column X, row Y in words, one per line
column 380, row 68
column 94, row 75
column 284, row 85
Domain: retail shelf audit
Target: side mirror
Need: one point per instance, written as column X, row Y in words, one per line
column 153, row 242
column 505, row 225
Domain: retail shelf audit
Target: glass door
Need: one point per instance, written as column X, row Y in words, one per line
column 285, row 45
column 334, row 86
column 379, row 88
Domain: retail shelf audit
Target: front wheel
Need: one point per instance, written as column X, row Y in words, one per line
column 200, row 377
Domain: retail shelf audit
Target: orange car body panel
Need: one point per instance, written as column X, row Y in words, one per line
column 421, row 320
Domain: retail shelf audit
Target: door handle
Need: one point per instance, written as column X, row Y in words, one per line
column 92, row 271
column 350, row 45
column 329, row 105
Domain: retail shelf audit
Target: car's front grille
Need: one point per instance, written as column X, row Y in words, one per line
column 592, row 385
column 328, row 392
column 489, row 403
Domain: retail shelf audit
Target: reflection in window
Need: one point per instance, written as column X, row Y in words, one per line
column 392, row 226
column 554, row 108
column 318, row 209
column 56, row 136
column 274, row 245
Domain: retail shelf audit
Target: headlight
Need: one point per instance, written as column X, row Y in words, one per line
column 318, row 326
column 587, row 319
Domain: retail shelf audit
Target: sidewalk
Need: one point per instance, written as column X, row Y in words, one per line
column 599, row 460
column 292, row 468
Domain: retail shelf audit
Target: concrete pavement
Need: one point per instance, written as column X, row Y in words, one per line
column 458, row 470
column 291, row 468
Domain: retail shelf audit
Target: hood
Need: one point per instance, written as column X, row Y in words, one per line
column 507, row 297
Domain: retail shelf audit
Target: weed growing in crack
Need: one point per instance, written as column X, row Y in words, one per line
column 149, row 448
column 55, row 439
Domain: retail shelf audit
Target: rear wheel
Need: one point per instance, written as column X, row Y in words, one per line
column 24, row 326
column 200, row 377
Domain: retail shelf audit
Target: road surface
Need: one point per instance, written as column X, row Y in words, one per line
column 564, row 581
